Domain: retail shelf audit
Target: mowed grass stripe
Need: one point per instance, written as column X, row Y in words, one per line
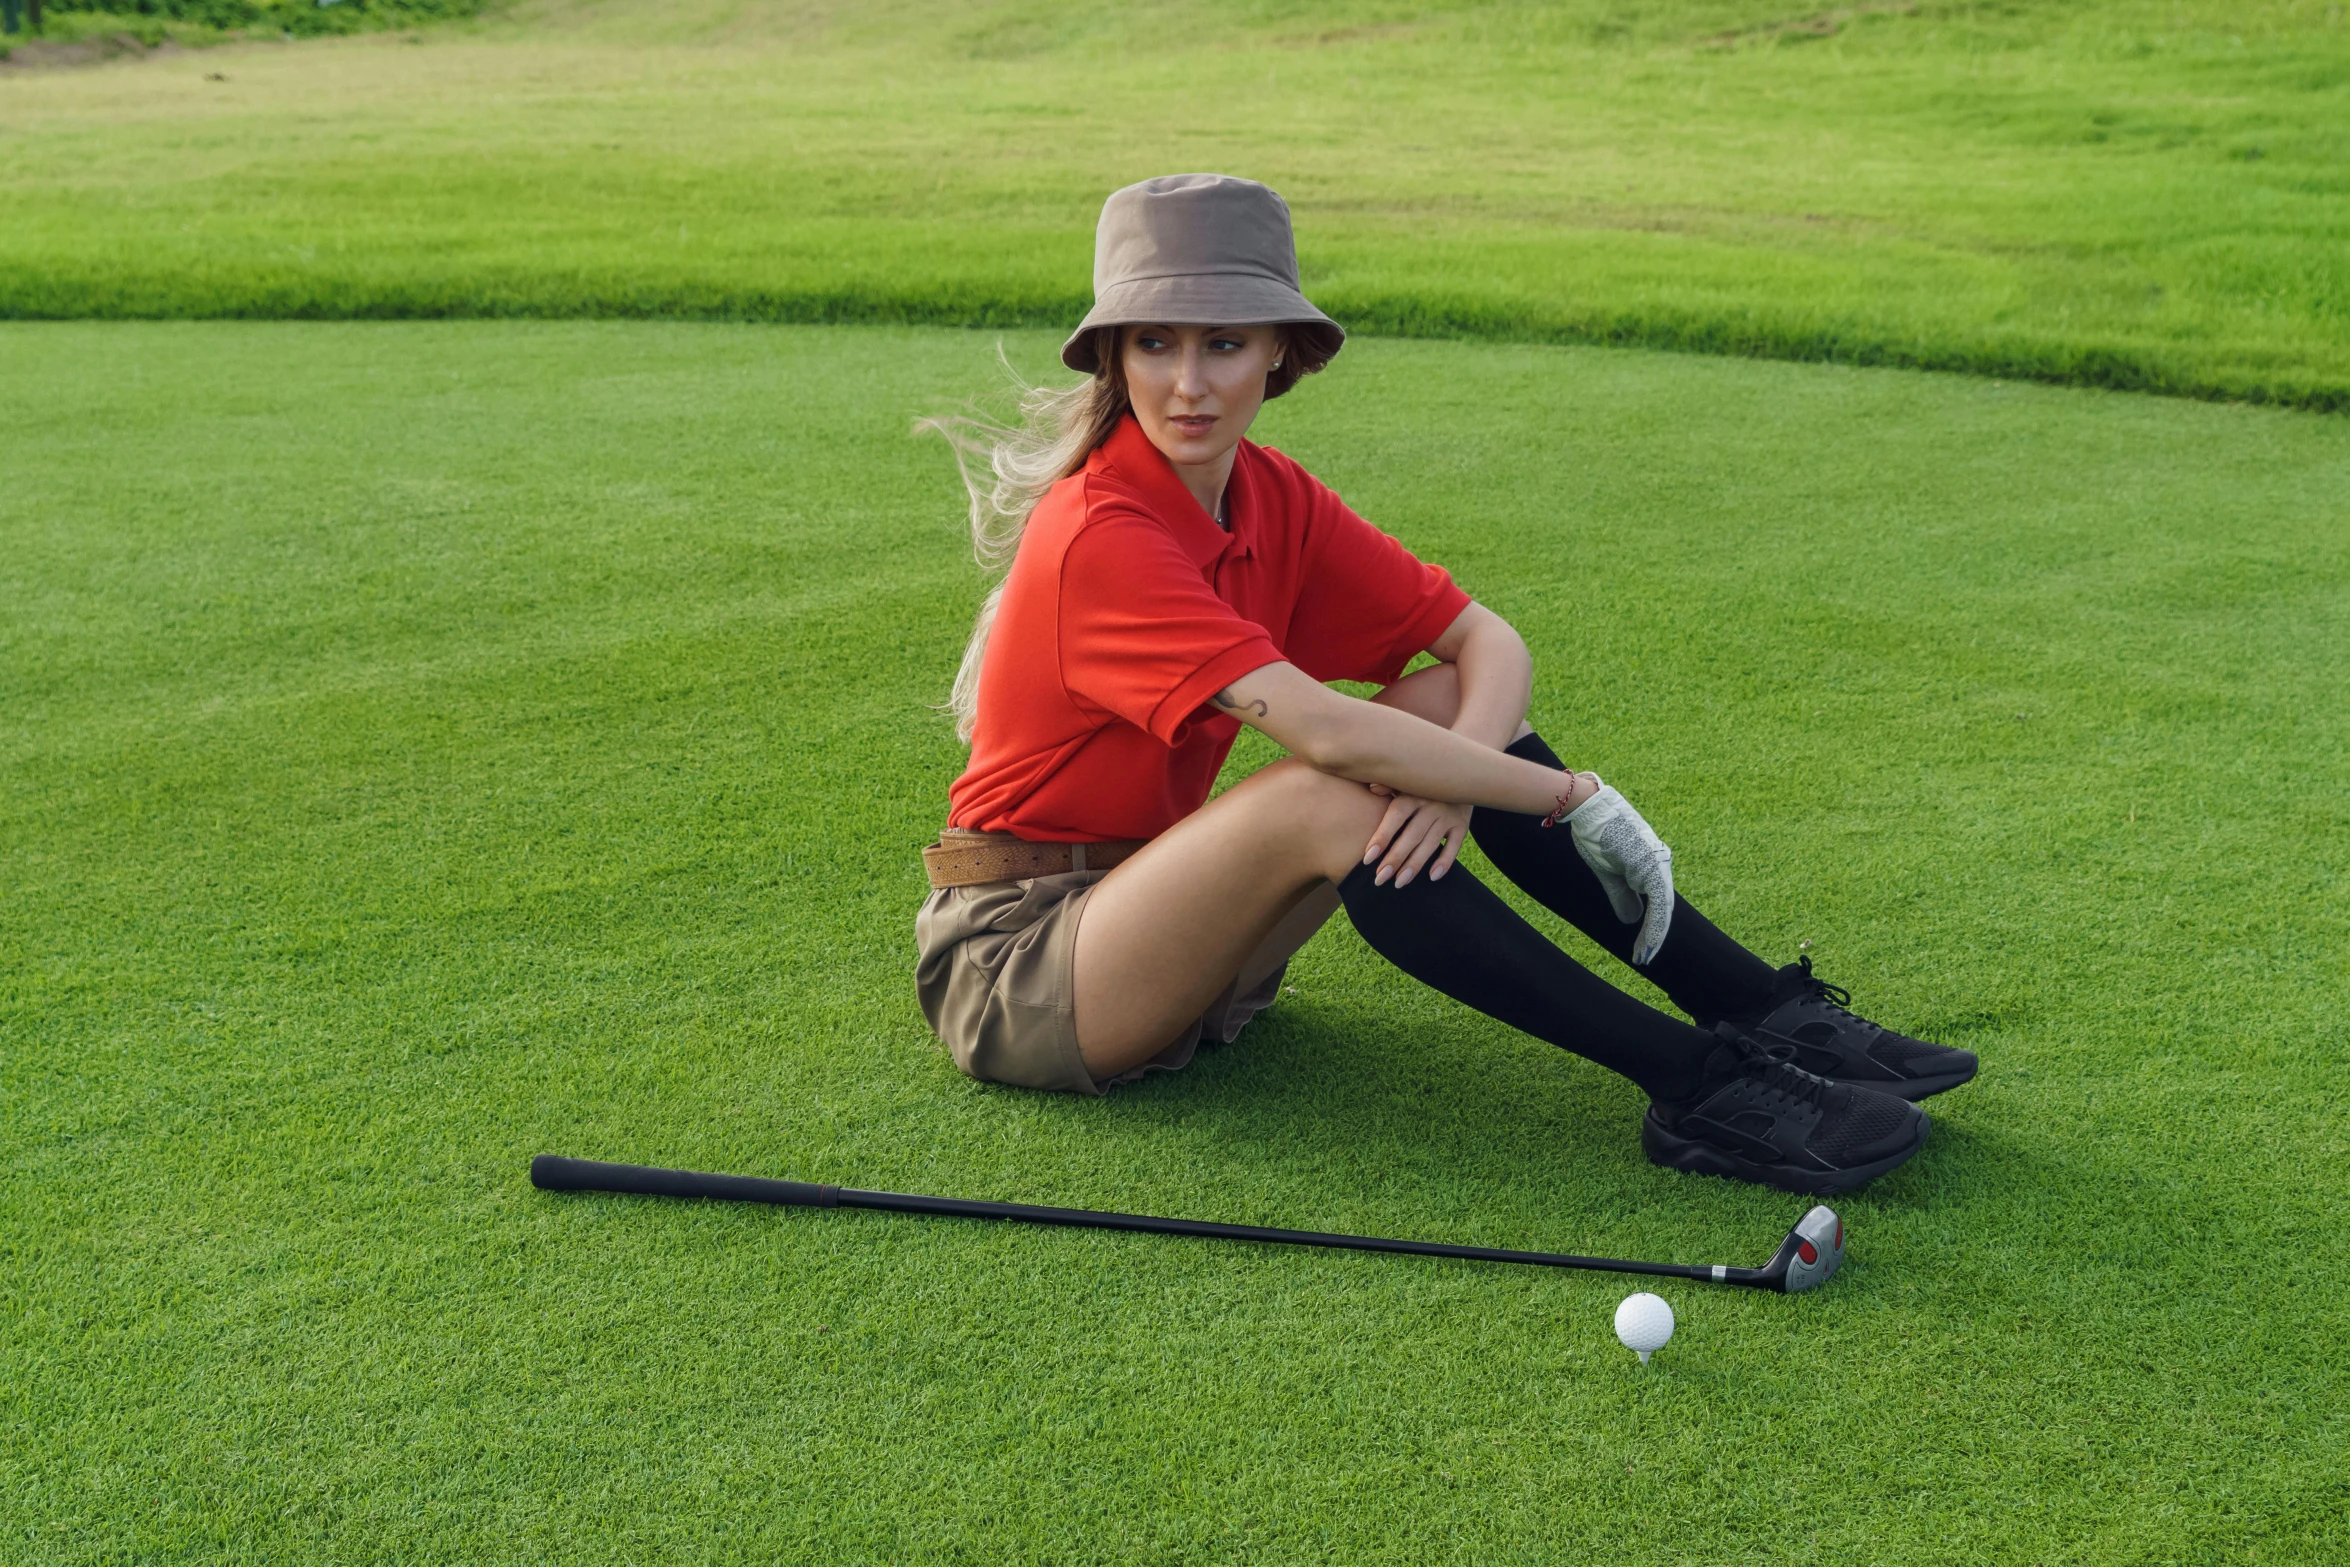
column 2142, row 194
column 438, row 744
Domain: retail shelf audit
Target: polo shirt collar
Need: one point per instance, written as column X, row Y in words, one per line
column 1129, row 454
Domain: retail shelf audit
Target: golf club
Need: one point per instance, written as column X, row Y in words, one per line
column 1806, row 1259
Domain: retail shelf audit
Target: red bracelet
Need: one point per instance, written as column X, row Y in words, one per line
column 1555, row 817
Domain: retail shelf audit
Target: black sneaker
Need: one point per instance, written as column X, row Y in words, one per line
column 1760, row 1118
column 1808, row 1016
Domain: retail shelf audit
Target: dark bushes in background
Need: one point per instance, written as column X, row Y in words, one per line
column 301, row 17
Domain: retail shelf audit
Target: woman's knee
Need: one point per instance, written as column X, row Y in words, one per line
column 1433, row 693
column 1331, row 817
column 1294, row 784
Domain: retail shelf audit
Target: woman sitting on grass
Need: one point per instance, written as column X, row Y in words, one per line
column 1096, row 915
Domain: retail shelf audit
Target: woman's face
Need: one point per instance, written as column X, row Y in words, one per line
column 1197, row 389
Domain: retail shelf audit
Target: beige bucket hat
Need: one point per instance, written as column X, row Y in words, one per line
column 1199, row 250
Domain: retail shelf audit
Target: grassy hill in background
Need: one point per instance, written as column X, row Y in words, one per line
column 2127, row 194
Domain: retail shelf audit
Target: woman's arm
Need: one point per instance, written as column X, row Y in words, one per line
column 1495, row 672
column 1491, row 678
column 1374, row 744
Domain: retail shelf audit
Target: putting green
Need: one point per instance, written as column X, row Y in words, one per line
column 432, row 745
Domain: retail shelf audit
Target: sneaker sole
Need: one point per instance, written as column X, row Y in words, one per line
column 1914, row 1089
column 1675, row 1152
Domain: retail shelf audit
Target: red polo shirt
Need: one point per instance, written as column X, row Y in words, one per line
column 1127, row 609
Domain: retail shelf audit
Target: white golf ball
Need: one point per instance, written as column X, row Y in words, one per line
column 1645, row 1324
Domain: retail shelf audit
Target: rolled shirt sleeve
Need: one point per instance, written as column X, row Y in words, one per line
column 1143, row 636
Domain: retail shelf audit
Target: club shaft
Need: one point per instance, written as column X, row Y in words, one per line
column 555, row 1173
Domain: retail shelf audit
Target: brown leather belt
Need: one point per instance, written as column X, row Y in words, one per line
column 963, row 858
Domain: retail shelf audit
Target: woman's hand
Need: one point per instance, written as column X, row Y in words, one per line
column 1634, row 867
column 1413, row 830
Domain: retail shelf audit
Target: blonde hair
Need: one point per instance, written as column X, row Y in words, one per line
column 1057, row 429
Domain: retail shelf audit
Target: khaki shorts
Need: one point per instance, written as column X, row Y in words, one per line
column 996, row 971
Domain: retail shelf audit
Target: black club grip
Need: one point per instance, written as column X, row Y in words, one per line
column 554, row 1173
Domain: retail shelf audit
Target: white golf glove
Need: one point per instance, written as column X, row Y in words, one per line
column 1632, row 864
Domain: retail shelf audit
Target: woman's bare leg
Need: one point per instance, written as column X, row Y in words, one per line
column 1434, row 693
column 1165, row 932
column 1153, row 950
column 1297, row 927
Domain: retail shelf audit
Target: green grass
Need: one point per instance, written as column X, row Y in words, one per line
column 430, row 745
column 2133, row 193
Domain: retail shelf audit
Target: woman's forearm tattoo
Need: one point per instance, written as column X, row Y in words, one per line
column 1230, row 703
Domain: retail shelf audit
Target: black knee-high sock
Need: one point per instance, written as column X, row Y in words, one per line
column 1708, row 975
column 1458, row 937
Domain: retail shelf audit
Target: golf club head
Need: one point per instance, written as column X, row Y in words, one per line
column 1812, row 1251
